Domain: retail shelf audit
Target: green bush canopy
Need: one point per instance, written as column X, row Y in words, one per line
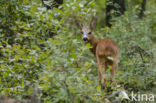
column 43, row 47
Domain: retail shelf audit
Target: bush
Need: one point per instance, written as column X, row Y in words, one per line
column 62, row 65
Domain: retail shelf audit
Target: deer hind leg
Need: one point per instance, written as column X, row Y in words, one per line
column 102, row 76
column 99, row 76
column 101, row 72
column 113, row 71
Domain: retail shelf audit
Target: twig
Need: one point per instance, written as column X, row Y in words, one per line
column 67, row 90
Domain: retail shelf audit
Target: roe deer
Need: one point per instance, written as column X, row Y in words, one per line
column 105, row 51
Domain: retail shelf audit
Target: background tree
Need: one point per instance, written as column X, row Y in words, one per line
column 143, row 8
column 116, row 6
column 50, row 4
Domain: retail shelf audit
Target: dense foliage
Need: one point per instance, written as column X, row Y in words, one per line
column 44, row 48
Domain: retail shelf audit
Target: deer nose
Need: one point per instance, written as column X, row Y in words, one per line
column 85, row 39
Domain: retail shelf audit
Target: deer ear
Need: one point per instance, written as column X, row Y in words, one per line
column 78, row 24
column 93, row 22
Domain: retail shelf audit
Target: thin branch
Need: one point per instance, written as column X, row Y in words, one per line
column 67, row 90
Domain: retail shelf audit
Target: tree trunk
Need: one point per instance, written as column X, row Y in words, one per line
column 55, row 3
column 116, row 5
column 47, row 6
column 143, row 8
column 58, row 3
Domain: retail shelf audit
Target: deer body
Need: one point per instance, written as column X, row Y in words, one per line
column 105, row 51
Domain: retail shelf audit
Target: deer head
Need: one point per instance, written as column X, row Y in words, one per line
column 86, row 30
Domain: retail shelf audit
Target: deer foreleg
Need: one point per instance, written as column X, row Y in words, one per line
column 101, row 72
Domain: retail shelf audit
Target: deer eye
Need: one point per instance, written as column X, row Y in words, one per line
column 90, row 33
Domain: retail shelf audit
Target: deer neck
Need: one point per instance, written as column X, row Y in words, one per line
column 93, row 41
